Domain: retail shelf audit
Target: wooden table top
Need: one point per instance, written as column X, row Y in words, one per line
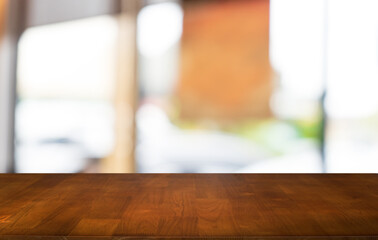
column 175, row 206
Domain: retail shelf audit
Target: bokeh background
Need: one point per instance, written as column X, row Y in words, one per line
column 190, row 86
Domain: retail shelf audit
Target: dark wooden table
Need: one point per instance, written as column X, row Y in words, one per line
column 182, row 206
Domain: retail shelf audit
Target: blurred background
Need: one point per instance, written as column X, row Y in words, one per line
column 190, row 86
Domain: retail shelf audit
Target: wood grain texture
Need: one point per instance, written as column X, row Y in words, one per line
column 182, row 206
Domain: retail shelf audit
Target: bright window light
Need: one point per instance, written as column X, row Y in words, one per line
column 353, row 58
column 159, row 28
column 66, row 76
column 297, row 45
column 70, row 59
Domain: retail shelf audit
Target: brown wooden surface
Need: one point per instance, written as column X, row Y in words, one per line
column 107, row 206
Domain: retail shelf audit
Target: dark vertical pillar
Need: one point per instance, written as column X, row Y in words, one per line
column 324, row 120
column 15, row 11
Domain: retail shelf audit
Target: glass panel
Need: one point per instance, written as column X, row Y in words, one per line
column 65, row 87
column 352, row 101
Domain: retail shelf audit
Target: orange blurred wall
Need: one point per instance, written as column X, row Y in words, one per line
column 225, row 69
column 2, row 17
